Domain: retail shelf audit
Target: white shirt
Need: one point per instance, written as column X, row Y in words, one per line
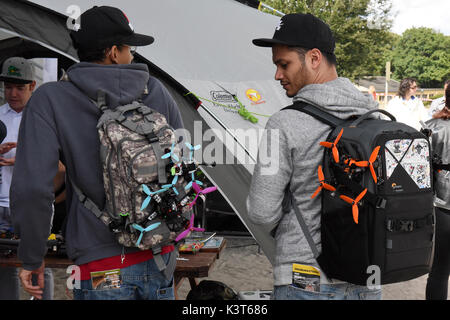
column 410, row 112
column 11, row 119
column 437, row 105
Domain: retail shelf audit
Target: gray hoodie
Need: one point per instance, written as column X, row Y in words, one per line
column 59, row 122
column 299, row 156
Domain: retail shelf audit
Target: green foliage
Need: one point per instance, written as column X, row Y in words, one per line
column 361, row 29
column 424, row 54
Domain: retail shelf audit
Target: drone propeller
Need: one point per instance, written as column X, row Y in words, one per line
column 172, row 185
column 369, row 163
column 142, row 230
column 354, row 203
column 189, row 185
column 149, row 194
column 188, row 229
column 192, row 149
column 332, row 145
column 171, row 154
column 191, row 154
column 199, row 191
column 322, row 185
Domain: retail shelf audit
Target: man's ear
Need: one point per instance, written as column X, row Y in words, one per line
column 113, row 54
column 32, row 86
column 315, row 57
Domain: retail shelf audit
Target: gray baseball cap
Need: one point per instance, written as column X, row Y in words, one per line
column 17, row 70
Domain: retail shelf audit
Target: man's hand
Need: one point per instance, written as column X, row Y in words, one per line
column 27, row 284
column 7, row 161
column 5, row 147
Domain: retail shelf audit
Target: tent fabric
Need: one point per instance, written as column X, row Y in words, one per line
column 202, row 51
column 38, row 24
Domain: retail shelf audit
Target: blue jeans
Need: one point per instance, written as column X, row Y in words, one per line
column 142, row 281
column 342, row 291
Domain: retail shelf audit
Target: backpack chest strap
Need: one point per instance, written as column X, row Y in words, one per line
column 374, row 200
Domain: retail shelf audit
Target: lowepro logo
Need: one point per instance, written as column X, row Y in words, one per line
column 397, row 187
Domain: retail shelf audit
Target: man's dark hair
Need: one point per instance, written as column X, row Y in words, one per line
column 405, row 85
column 329, row 57
column 445, row 112
column 94, row 55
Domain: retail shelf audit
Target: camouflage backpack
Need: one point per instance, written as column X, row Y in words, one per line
column 147, row 203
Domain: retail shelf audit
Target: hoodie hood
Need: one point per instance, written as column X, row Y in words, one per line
column 338, row 97
column 122, row 83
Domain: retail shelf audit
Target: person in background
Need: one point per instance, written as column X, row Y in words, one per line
column 373, row 92
column 18, row 77
column 437, row 282
column 439, row 103
column 406, row 107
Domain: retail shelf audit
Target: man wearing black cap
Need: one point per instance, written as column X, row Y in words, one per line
column 303, row 54
column 60, row 122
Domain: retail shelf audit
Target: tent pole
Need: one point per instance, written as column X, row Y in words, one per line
column 263, row 5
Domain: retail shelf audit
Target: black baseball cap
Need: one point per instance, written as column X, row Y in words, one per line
column 301, row 30
column 105, row 26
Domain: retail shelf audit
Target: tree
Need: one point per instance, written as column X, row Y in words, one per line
column 422, row 53
column 361, row 29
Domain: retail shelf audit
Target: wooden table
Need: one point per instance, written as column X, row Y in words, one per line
column 196, row 266
column 51, row 261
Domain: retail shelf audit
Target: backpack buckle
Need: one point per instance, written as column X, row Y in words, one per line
column 116, row 226
column 82, row 198
column 144, row 110
column 406, row 225
column 121, row 118
column 400, row 225
column 152, row 137
column 156, row 250
column 381, row 203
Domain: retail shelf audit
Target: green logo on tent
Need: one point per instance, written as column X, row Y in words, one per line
column 13, row 71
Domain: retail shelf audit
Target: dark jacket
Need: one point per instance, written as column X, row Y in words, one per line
column 59, row 122
column 441, row 146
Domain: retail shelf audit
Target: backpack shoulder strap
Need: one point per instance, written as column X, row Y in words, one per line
column 292, row 204
column 315, row 112
column 333, row 122
column 440, row 166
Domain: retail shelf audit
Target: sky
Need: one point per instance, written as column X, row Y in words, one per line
column 421, row 13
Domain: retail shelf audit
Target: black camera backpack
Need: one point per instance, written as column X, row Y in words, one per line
column 377, row 199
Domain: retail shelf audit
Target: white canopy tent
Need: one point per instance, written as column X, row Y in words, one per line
column 202, row 50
